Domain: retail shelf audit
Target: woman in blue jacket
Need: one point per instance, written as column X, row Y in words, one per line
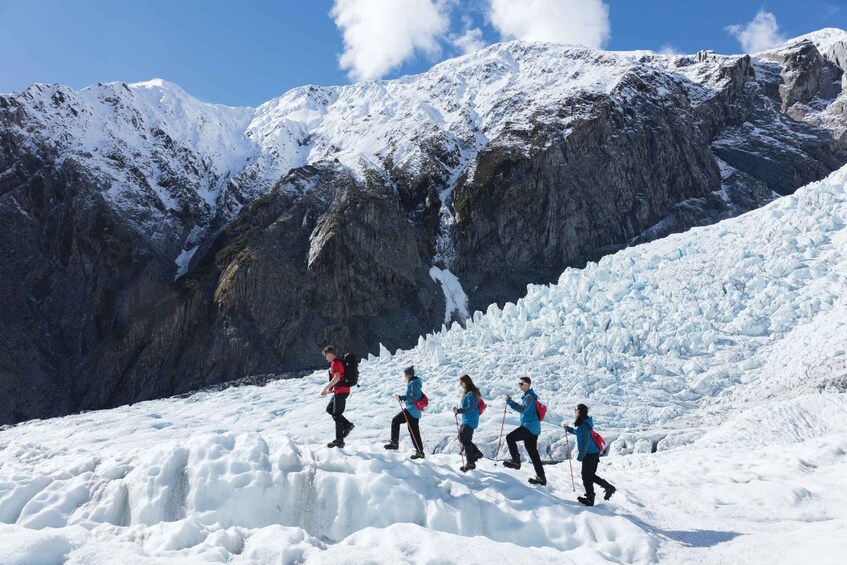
column 409, row 414
column 470, row 421
column 589, row 454
column 528, row 432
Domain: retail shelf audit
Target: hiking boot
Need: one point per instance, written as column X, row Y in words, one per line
column 467, row 467
column 391, row 445
column 609, row 492
column 417, row 455
column 335, row 443
column 586, row 500
column 348, row 429
column 512, row 464
column 538, row 481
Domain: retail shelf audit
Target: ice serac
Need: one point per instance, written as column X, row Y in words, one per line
column 165, row 243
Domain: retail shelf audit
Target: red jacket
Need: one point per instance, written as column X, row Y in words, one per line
column 337, row 366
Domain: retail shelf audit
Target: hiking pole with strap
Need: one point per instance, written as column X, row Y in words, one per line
column 409, row 425
column 459, row 436
column 568, row 444
column 502, row 424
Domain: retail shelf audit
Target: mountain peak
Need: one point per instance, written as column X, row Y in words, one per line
column 158, row 83
column 823, row 39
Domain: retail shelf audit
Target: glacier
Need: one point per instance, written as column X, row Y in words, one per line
column 714, row 363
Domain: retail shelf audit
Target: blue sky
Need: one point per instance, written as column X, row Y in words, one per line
column 244, row 53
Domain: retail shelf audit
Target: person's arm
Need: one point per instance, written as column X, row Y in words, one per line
column 466, row 404
column 336, row 377
column 410, row 391
column 569, row 429
column 515, row 406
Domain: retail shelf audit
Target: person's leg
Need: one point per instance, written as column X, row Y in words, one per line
column 465, row 438
column 512, row 439
column 344, row 421
column 607, row 487
column 339, row 402
column 478, row 454
column 396, row 422
column 589, row 469
column 531, row 444
column 414, row 424
column 602, row 482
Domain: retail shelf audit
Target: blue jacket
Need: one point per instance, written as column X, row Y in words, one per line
column 584, row 443
column 529, row 415
column 470, row 410
column 413, row 392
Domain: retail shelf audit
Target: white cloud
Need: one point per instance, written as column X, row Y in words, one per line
column 585, row 22
column 668, row 49
column 471, row 40
column 380, row 35
column 760, row 34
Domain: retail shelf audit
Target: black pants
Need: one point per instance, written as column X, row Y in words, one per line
column 335, row 408
column 472, row 452
column 589, row 474
column 530, row 442
column 398, row 421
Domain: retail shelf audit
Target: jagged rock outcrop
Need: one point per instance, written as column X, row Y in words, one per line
column 583, row 190
column 299, row 268
column 153, row 243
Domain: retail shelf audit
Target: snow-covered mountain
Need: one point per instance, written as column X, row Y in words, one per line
column 714, row 361
column 166, row 243
column 198, row 161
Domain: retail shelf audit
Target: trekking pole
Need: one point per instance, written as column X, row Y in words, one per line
column 459, row 436
column 568, row 444
column 502, row 424
column 408, row 425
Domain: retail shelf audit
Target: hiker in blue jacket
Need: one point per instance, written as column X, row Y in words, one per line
column 470, row 421
column 528, row 432
column 589, row 454
column 409, row 414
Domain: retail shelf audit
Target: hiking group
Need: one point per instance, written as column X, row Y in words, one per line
column 343, row 374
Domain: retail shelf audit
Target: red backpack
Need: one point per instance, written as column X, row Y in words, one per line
column 480, row 404
column 599, row 441
column 540, row 409
column 422, row 403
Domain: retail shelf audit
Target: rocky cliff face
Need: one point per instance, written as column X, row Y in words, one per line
column 152, row 243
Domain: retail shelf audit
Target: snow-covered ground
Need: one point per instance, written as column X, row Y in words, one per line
column 710, row 359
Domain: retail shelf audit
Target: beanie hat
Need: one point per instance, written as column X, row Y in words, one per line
column 410, row 370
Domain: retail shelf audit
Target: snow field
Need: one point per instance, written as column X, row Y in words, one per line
column 209, row 497
column 702, row 357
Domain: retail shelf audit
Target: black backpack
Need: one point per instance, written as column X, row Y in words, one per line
column 351, row 369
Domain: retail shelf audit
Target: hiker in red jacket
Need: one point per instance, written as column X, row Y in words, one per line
column 340, row 391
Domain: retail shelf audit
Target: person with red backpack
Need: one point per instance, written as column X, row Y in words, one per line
column 340, row 391
column 528, row 432
column 470, row 411
column 411, row 413
column 589, row 454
